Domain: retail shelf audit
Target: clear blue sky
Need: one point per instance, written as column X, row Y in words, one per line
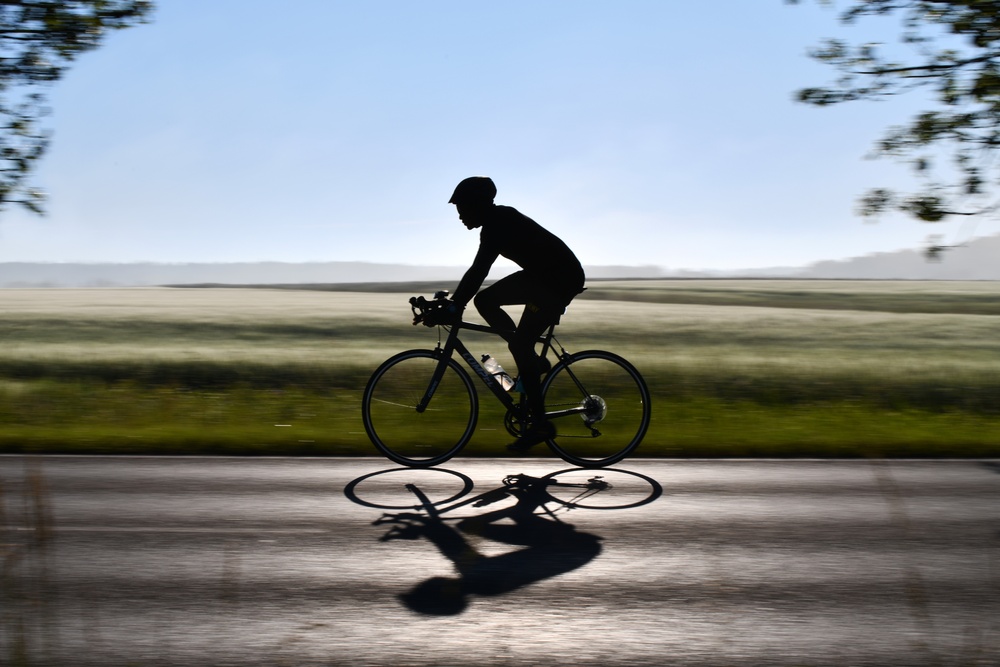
column 643, row 132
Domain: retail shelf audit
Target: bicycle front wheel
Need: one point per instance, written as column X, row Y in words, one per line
column 398, row 430
column 600, row 405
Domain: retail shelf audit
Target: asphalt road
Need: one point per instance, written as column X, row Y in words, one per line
column 218, row 561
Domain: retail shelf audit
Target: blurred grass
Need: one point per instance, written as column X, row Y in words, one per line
column 736, row 368
column 891, row 296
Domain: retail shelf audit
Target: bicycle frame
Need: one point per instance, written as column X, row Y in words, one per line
column 604, row 392
column 453, row 344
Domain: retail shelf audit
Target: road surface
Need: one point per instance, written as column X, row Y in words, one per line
column 228, row 561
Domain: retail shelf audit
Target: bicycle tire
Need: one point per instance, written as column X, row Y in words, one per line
column 398, row 430
column 615, row 405
column 627, row 496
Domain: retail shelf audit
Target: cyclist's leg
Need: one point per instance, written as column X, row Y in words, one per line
column 505, row 292
column 534, row 321
column 542, row 308
column 517, row 289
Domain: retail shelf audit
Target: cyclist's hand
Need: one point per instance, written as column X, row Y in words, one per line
column 451, row 312
column 444, row 313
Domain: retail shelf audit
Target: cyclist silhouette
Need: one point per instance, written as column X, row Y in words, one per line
column 550, row 547
column 550, row 277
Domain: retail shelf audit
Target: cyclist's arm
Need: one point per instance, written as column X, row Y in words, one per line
column 474, row 277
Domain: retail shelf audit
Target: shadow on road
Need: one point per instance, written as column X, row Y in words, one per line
column 526, row 517
column 995, row 467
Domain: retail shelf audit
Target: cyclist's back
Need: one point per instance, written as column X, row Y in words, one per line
column 511, row 234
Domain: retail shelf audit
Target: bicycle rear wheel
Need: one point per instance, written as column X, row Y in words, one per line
column 398, row 430
column 600, row 405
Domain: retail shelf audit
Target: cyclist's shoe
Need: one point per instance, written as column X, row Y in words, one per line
column 536, row 434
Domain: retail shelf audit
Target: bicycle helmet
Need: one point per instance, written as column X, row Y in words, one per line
column 474, row 190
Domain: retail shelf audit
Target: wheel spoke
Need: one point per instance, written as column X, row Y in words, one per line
column 422, row 438
column 611, row 408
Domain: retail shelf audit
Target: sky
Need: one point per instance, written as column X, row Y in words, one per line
column 642, row 132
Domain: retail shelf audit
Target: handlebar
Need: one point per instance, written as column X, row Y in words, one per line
column 441, row 311
column 425, row 312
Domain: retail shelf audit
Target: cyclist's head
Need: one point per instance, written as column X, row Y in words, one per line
column 437, row 596
column 474, row 192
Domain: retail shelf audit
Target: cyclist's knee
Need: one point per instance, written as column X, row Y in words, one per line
column 485, row 301
column 521, row 347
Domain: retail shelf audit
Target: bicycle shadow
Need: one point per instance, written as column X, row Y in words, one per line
column 548, row 545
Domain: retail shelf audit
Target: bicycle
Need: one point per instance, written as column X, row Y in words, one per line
column 569, row 489
column 533, row 492
column 420, row 407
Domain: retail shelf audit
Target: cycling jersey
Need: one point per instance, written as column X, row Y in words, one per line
column 540, row 253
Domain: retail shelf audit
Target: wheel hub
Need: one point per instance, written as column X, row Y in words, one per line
column 594, row 409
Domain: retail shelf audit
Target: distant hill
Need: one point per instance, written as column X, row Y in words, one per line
column 18, row 274
column 977, row 260
column 24, row 274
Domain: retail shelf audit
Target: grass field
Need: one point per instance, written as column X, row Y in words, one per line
column 736, row 368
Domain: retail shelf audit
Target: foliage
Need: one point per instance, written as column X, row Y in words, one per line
column 952, row 49
column 735, row 368
column 38, row 41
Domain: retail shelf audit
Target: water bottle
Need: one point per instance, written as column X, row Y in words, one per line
column 497, row 371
